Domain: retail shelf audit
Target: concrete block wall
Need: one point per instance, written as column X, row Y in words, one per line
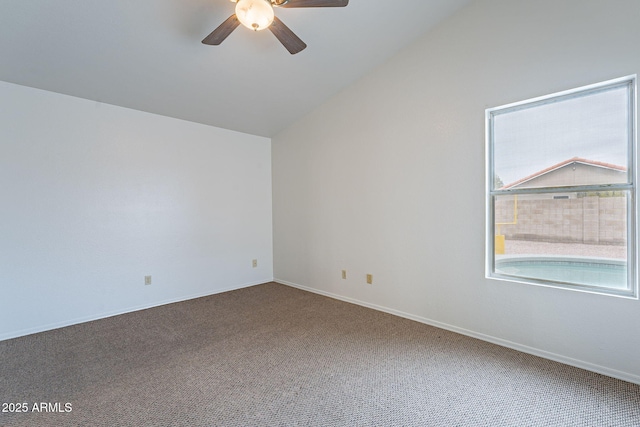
column 589, row 220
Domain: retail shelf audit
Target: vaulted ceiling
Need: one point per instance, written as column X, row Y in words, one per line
column 147, row 55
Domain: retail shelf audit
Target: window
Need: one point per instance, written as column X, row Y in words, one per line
column 561, row 190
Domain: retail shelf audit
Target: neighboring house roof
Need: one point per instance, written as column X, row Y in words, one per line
column 574, row 160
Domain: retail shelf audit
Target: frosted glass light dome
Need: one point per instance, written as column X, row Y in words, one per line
column 255, row 14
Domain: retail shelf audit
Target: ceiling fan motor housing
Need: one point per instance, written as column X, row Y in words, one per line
column 273, row 2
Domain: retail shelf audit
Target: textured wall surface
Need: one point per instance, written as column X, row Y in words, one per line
column 96, row 197
column 387, row 178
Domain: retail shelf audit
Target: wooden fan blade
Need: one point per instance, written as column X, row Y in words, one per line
column 315, row 3
column 218, row 35
column 286, row 36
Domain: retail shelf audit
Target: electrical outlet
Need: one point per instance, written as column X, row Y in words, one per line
column 344, row 274
column 254, row 263
column 147, row 280
column 370, row 279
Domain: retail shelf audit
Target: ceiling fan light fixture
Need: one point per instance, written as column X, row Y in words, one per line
column 255, row 14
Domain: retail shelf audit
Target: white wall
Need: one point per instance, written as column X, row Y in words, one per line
column 387, row 178
column 94, row 197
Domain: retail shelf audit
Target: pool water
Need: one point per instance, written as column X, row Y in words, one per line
column 590, row 272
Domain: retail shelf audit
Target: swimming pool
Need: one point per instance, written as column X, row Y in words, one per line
column 577, row 271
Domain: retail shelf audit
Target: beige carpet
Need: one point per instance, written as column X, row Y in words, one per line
column 271, row 355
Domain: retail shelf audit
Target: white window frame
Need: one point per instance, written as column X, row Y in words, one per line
column 632, row 210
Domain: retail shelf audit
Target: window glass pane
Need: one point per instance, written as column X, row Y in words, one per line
column 577, row 238
column 578, row 140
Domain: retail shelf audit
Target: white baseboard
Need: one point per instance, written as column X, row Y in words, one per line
column 48, row 327
column 625, row 376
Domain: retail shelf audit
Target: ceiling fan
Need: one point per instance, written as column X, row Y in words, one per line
column 258, row 15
